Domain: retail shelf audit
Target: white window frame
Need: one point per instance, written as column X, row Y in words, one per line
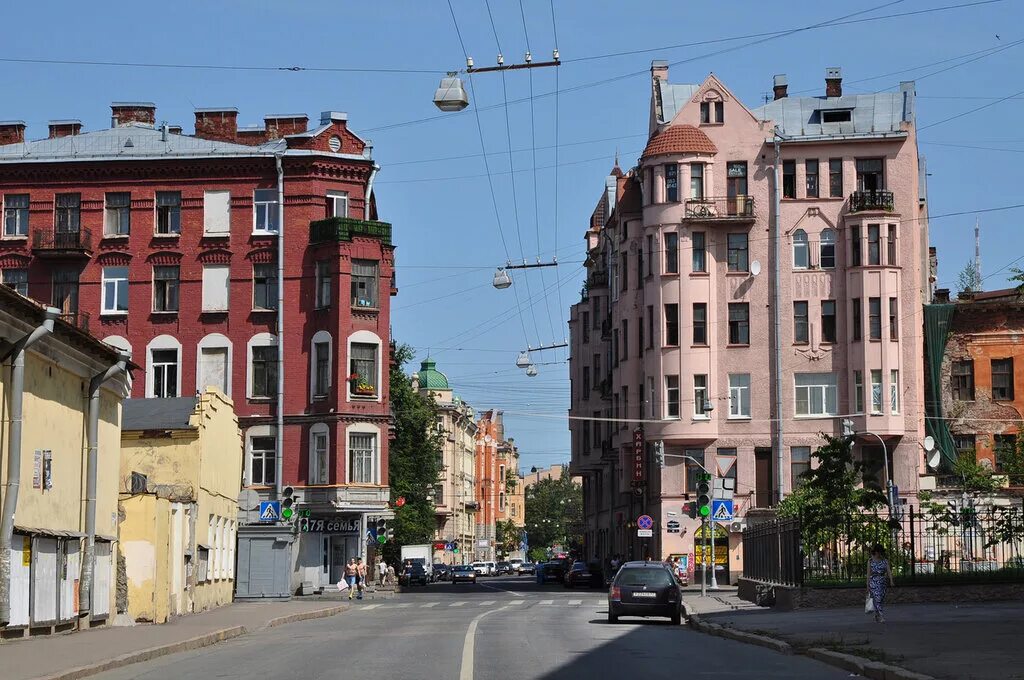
column 826, row 238
column 118, row 282
column 679, row 401
column 208, row 281
column 111, row 215
column 22, row 232
column 215, row 341
column 368, row 429
column 215, row 222
column 369, row 338
column 317, row 431
column 894, row 391
column 270, row 217
column 320, row 337
column 120, row 342
column 739, row 396
column 700, row 395
column 161, row 342
column 256, row 432
column 334, row 198
column 801, row 249
column 258, row 340
column 826, row 387
column 877, row 392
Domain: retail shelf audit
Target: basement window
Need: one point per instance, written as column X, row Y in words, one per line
column 837, row 116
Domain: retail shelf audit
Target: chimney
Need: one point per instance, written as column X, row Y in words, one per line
column 219, row 125
column 283, row 124
column 12, row 132
column 174, row 129
column 65, row 128
column 781, row 85
column 126, row 113
column 834, row 82
column 659, row 69
column 941, row 296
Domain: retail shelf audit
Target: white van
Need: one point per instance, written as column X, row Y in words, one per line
column 481, row 568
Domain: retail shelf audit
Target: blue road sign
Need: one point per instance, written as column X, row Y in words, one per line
column 721, row 510
column 645, row 522
column 270, row 511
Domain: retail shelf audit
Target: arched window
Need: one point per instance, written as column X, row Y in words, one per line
column 213, row 363
column 122, row 343
column 262, row 366
column 320, row 364
column 163, row 367
column 364, row 366
column 827, row 249
column 801, row 254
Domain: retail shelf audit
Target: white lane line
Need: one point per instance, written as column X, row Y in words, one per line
column 456, row 604
column 575, row 603
column 466, row 672
column 403, row 606
column 503, row 590
column 429, row 604
column 370, row 606
column 487, row 603
column 547, row 602
column 514, row 602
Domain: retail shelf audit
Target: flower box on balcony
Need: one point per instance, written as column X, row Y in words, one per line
column 364, row 390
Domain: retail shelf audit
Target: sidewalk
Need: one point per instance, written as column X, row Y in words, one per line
column 85, row 653
column 963, row 641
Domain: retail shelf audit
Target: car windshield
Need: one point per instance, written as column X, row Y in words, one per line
column 579, row 566
column 643, row 576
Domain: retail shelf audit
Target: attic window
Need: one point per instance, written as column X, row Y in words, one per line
column 837, row 116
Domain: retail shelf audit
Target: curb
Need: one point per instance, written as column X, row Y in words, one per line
column 305, row 616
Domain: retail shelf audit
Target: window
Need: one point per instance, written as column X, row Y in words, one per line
column 697, row 181
column 712, row 112
column 362, row 453
column 640, row 336
column 213, row 368
column 16, row 214
column 203, row 570
column 874, row 253
column 700, row 396
column 858, row 391
column 596, row 440
column 624, row 283
column 671, row 325
column 827, row 249
column 856, row 325
column 216, row 213
column 118, row 214
column 870, row 174
column 801, row 326
column 597, row 370
column 625, row 339
column 738, row 253
column 68, row 214
column 650, row 326
column 337, row 204
column 321, row 368
column 322, row 276
column 165, row 373
column 816, row 394
column 801, row 251
column 875, row 318
column 963, row 380
column 965, row 445
column 719, row 112
column 165, row 288
column 650, row 254
column 828, row 320
column 671, row 252
column 364, row 283
column 265, row 210
column 262, row 461
column 855, row 246
column 671, row 183
column 876, row 391
column 16, row 279
column 811, row 171
column 363, row 365
column 739, row 323
column 799, row 464
column 615, row 347
column 115, row 290
column 739, row 395
column 1005, row 446
column 894, row 391
column 586, row 381
column 1002, row 379
column 640, row 268
column 894, row 323
column 693, row 468
column 216, row 287
column 64, row 293
column 671, row 396
column 319, row 472
column 835, row 177
column 699, row 253
column 700, row 323
column 625, row 407
column 264, row 371
column 264, row 286
column 789, row 179
column 837, row 116
column 168, row 212
column 705, row 112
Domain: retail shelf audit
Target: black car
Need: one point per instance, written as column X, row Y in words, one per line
column 645, row 589
column 442, row 572
column 463, row 572
column 554, row 570
column 413, row 574
column 583, row 574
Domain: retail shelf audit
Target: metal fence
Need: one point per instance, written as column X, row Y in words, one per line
column 771, row 552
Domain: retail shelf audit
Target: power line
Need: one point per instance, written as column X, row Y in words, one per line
column 974, row 110
column 555, row 224
column 219, row 67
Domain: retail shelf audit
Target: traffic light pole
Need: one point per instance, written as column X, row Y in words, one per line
column 704, row 525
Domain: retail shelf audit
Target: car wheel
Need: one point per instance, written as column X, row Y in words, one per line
column 613, row 618
column 677, row 618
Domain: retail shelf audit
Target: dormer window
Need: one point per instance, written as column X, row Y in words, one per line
column 712, row 109
column 837, row 116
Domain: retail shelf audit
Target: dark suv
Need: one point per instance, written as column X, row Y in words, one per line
column 645, row 589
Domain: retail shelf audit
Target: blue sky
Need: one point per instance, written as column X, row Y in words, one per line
column 445, row 224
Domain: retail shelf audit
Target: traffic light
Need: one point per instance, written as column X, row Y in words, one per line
column 287, row 501
column 659, row 454
column 382, row 530
column 690, row 509
column 455, row 547
column 704, row 496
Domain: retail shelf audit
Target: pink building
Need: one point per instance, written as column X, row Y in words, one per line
column 675, row 335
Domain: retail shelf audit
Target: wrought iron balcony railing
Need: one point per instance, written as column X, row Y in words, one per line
column 721, row 208
column 872, row 200
column 344, row 228
column 71, row 242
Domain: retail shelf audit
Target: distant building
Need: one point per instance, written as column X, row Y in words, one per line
column 497, row 480
column 555, row 472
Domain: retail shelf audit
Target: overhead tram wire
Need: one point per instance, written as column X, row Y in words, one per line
column 554, row 225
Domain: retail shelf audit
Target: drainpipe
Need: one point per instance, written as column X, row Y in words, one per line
column 279, row 439
column 92, row 463
column 776, row 348
column 369, row 191
column 17, row 356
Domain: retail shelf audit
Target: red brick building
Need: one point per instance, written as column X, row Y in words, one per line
column 166, row 244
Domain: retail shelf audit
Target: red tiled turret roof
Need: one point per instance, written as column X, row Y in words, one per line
column 680, row 139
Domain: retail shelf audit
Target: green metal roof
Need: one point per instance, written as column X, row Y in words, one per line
column 431, row 378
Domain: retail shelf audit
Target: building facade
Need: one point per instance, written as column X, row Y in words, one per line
column 181, row 472
column 497, row 482
column 171, row 246
column 676, row 345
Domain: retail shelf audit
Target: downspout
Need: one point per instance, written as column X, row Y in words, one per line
column 776, row 344
column 279, row 439
column 92, row 465
column 369, row 191
column 17, row 356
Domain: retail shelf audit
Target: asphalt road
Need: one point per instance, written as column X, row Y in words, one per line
column 500, row 628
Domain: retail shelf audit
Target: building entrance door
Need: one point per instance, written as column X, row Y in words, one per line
column 763, row 477
column 342, row 549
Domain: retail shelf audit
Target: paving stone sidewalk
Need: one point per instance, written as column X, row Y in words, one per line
column 84, row 653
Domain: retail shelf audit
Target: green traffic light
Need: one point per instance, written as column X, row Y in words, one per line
column 382, row 539
column 287, row 513
column 705, row 511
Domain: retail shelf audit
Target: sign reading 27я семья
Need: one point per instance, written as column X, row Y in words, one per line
column 314, row 525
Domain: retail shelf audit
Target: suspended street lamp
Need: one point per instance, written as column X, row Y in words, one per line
column 501, row 279
column 450, row 95
column 531, row 370
column 523, row 361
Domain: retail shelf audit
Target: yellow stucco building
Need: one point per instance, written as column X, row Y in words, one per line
column 60, row 392
column 181, row 472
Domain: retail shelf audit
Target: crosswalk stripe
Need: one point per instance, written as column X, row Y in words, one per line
column 456, row 604
column 429, row 604
column 514, row 602
column 404, row 606
column 371, row 606
column 548, row 602
column 486, row 603
column 575, row 603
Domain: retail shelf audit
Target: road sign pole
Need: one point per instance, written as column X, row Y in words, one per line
column 714, row 524
column 704, row 570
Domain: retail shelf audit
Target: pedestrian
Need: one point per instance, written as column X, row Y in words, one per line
column 879, row 578
column 382, row 572
column 351, row 576
column 390, row 578
column 361, row 581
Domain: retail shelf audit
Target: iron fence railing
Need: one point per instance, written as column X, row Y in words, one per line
column 771, row 552
column 77, row 319
column 872, row 200
column 720, row 208
column 45, row 239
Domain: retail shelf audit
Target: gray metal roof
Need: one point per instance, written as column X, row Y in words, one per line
column 674, row 97
column 871, row 114
column 157, row 414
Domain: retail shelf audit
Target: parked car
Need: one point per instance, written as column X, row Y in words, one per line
column 515, row 564
column 554, row 570
column 492, row 568
column 480, row 568
column 463, row 573
column 645, row 589
column 583, row 574
column 503, row 568
column 413, row 574
column 441, row 572
column 526, row 568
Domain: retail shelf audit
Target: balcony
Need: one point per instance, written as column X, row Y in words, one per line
column 55, row 244
column 79, row 320
column 344, row 228
column 861, row 201
column 606, row 329
column 721, row 209
column 597, row 279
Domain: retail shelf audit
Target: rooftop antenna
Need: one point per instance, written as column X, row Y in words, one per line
column 977, row 250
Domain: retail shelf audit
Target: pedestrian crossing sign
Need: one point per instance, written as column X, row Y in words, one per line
column 270, row 511
column 721, row 510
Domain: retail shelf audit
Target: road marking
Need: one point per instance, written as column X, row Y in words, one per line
column 403, row 606
column 514, row 602
column 547, row 602
column 371, row 606
column 503, row 590
column 429, row 604
column 575, row 603
column 486, row 603
column 456, row 604
column 466, row 672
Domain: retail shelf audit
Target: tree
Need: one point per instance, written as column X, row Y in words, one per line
column 414, row 461
column 554, row 515
column 507, row 537
column 969, row 279
column 511, row 480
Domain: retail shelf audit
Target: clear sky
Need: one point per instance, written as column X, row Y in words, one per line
column 434, row 186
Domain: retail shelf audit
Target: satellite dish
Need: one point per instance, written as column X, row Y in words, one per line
column 934, row 458
column 755, row 267
column 929, row 443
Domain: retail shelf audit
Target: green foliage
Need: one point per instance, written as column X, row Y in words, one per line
column 507, row 537
column 1017, row 276
column 969, row 279
column 554, row 514
column 414, row 461
column 1011, row 458
column 537, row 554
column 511, row 480
column 975, row 477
